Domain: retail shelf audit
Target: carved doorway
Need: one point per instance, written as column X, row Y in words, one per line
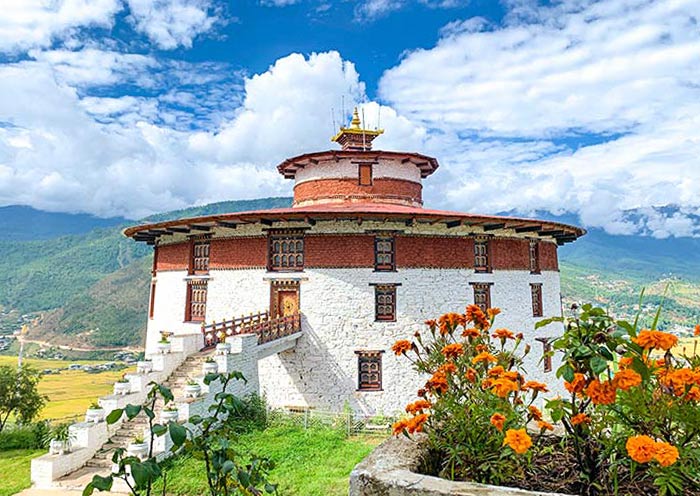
column 284, row 298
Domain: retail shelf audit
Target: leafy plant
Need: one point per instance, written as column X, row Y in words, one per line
column 123, row 379
column 19, row 394
column 94, row 405
column 138, row 440
column 61, row 432
column 192, row 382
column 170, row 407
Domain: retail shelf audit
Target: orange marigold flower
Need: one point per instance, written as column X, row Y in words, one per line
column 496, row 371
column 540, row 387
column 422, row 393
column 431, row 323
column 399, row 427
column 601, row 393
column 627, row 378
column 693, row 394
column 577, row 385
column 498, row 420
column 401, row 347
column 437, row 383
column 503, row 334
column 470, row 332
column 519, row 336
column 485, row 357
column 655, row 340
column 513, row 375
column 418, row 406
column 481, row 347
column 470, row 375
column 492, row 312
column 624, row 362
column 666, row 454
column 678, row 379
column 544, row 425
column 449, row 322
column 535, row 412
column 580, row 418
column 518, row 440
column 476, row 315
column 641, row 449
column 416, row 423
column 697, row 330
column 447, row 368
column 452, row 351
column 503, row 387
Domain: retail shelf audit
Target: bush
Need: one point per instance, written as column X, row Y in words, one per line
column 629, row 425
column 31, row 436
column 250, row 415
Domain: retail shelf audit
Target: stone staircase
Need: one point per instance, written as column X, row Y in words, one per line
column 190, row 368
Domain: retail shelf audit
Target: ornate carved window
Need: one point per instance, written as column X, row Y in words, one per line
column 482, row 294
column 384, row 258
column 200, row 257
column 196, row 300
column 365, row 174
column 286, row 251
column 536, row 291
column 534, row 256
column 369, row 370
column 385, row 303
column 481, row 254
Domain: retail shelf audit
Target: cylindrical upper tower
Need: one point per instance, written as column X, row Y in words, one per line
column 357, row 173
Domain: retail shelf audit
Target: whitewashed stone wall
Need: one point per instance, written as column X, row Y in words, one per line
column 338, row 319
column 344, row 168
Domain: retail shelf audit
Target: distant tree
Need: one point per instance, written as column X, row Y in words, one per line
column 19, row 394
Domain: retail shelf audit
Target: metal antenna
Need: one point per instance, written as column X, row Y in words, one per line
column 379, row 116
column 342, row 108
column 364, row 145
column 333, row 119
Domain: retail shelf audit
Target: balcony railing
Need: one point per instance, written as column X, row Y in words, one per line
column 267, row 329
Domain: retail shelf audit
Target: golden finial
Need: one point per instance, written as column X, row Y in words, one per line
column 355, row 119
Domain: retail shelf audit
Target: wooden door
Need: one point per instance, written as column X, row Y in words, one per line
column 285, row 298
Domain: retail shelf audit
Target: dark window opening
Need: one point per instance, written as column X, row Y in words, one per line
column 196, row 301
column 481, row 254
column 384, row 258
column 536, row 291
column 369, row 370
column 482, row 295
column 286, row 251
column 199, row 264
column 365, row 174
column 385, row 303
column 534, row 257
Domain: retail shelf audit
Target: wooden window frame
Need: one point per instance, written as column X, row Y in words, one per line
column 370, row 175
column 546, row 353
column 384, row 267
column 384, row 290
column 285, row 237
column 482, row 241
column 152, row 301
column 536, row 297
column 369, row 356
column 534, row 256
column 478, row 287
column 203, row 286
column 201, row 268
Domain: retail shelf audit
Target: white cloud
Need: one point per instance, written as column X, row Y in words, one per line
column 601, row 97
column 173, row 23
column 36, row 23
column 369, row 10
column 66, row 152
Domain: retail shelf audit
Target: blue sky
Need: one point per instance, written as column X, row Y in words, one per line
column 129, row 107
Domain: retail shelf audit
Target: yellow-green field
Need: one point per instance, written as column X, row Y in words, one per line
column 71, row 391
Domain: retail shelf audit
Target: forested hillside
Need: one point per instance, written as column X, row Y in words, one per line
column 91, row 287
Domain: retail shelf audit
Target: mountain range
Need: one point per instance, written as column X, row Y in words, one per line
column 79, row 281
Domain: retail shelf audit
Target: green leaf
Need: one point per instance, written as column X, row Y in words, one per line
column 166, row 393
column 605, row 352
column 98, row 482
column 598, row 365
column 546, row 322
column 114, row 416
column 140, row 474
column 566, row 372
column 228, row 467
column 270, row 488
column 159, row 429
column 132, row 411
column 177, row 433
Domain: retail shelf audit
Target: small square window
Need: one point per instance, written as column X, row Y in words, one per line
column 199, row 262
column 196, row 301
column 385, row 303
column 369, row 370
column 536, row 291
column 384, row 254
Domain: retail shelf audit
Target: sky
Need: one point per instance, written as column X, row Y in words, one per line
column 578, row 107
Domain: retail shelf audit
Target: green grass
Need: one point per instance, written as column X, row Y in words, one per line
column 14, row 467
column 314, row 462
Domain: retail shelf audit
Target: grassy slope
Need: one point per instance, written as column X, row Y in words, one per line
column 315, row 462
column 14, row 470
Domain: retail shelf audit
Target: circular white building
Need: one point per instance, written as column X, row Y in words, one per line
column 362, row 264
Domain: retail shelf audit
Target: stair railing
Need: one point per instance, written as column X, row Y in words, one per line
column 268, row 329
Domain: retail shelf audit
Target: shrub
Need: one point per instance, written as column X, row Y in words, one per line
column 30, row 436
column 629, row 424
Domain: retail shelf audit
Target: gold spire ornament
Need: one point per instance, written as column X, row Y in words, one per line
column 355, row 137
